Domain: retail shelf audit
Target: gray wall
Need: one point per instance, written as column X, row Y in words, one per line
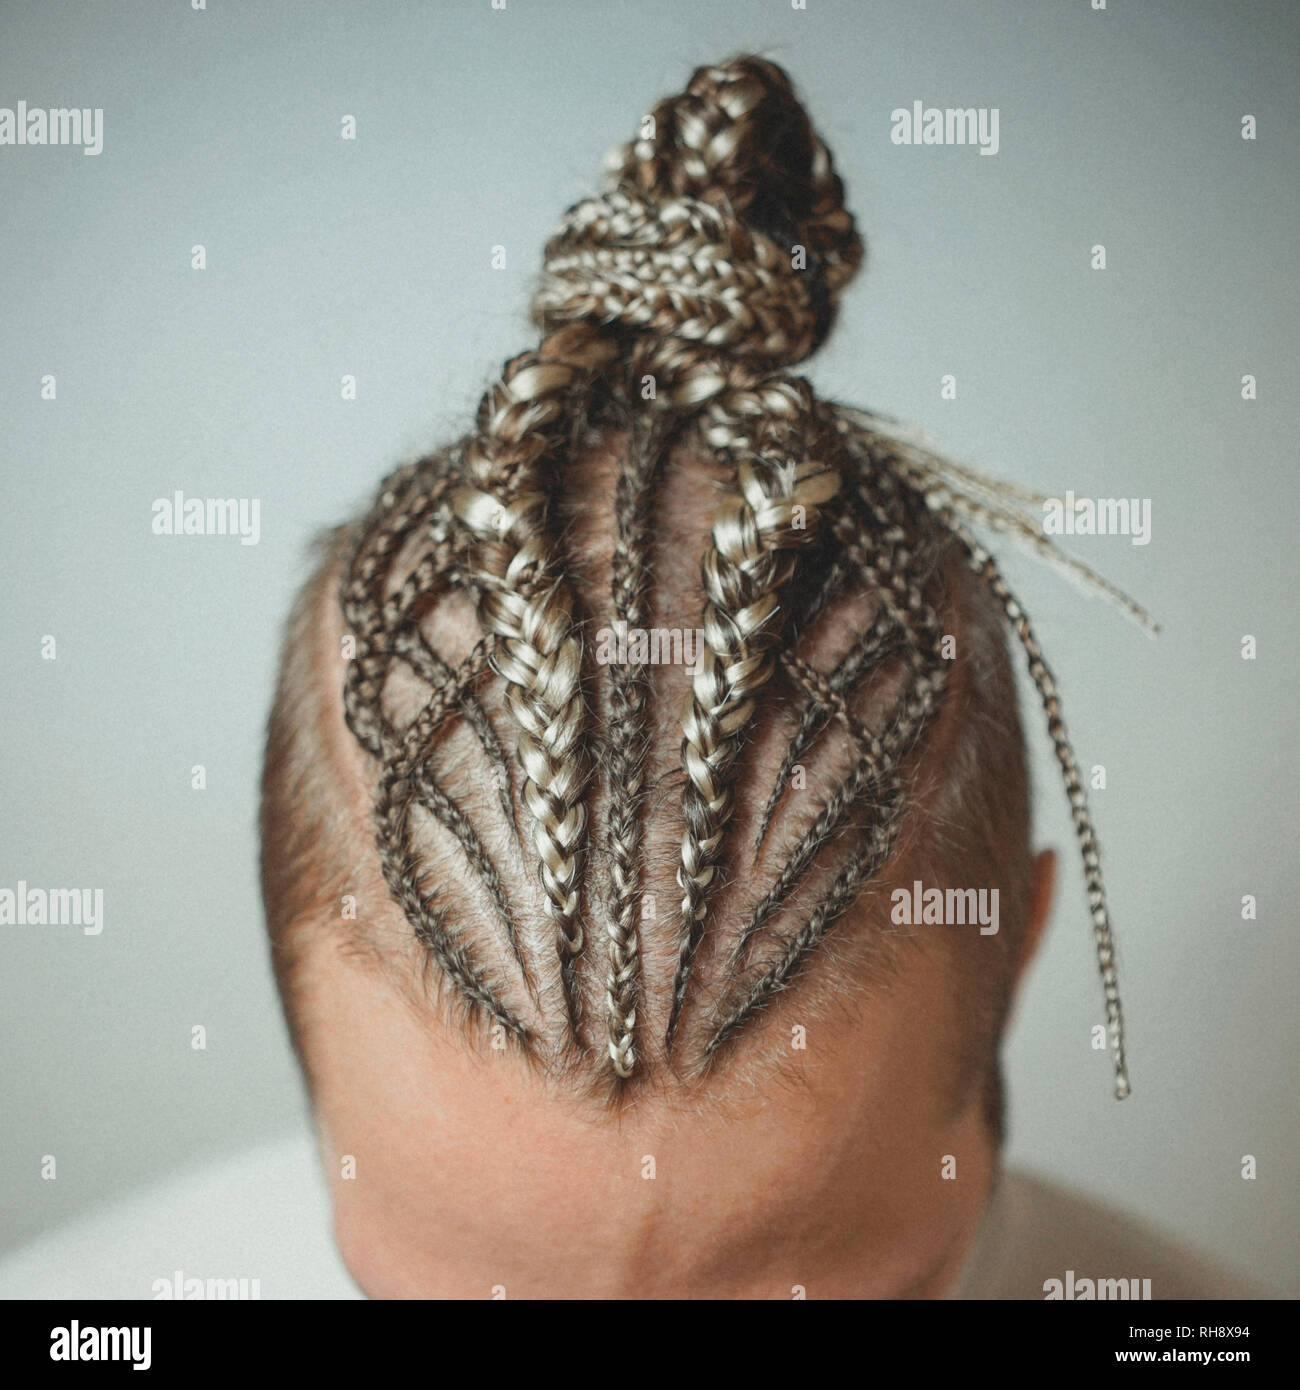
column 326, row 257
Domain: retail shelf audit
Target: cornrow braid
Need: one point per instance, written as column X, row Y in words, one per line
column 868, row 651
column 628, row 740
column 528, row 608
column 775, row 510
column 407, row 497
column 396, row 794
column 676, row 303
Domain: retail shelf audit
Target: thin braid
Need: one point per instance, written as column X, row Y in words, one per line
column 413, row 647
column 890, row 570
column 986, row 567
column 819, row 598
column 449, row 813
column 859, row 661
column 876, row 843
column 628, row 739
column 385, row 630
column 435, row 572
column 408, row 496
column 394, row 798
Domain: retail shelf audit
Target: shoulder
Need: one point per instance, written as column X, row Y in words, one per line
column 1036, row 1232
column 262, row 1214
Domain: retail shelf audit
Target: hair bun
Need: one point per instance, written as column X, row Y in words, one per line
column 696, row 235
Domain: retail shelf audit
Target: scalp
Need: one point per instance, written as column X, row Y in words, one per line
column 967, row 818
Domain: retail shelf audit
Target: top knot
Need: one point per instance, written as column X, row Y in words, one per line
column 723, row 225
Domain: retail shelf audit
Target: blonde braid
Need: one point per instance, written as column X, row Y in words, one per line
column 528, row 608
column 755, row 531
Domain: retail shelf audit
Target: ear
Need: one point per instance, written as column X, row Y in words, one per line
column 1040, row 909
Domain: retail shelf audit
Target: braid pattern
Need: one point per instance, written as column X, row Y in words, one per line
column 675, row 304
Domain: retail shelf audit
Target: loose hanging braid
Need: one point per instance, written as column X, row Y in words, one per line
column 712, row 262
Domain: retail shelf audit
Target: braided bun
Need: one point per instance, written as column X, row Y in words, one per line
column 727, row 228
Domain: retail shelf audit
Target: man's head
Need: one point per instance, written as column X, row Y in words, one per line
column 645, row 782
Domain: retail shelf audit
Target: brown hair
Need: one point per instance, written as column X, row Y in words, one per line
column 844, row 605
